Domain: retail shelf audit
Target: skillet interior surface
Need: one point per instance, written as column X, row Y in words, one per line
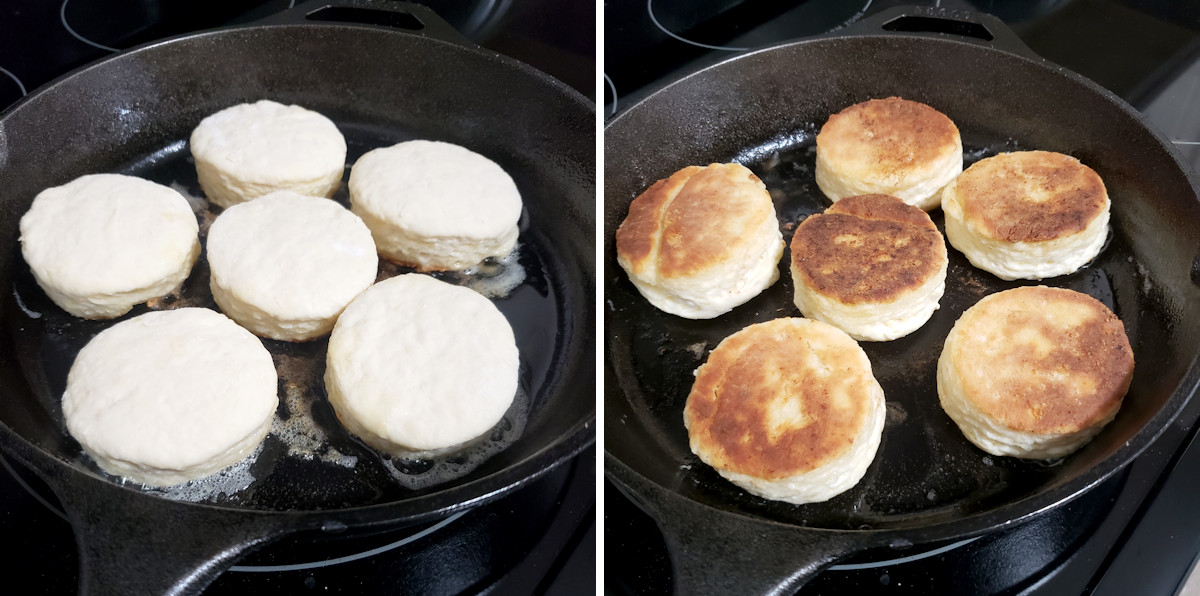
column 133, row 114
column 763, row 110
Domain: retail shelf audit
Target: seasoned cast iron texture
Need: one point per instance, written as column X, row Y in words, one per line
column 134, row 112
column 927, row 483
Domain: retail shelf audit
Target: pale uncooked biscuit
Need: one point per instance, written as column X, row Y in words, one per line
column 1034, row 372
column 170, row 396
column 1027, row 214
column 872, row 266
column 285, row 265
column 417, row 366
column 435, row 206
column 253, row 149
column 102, row 243
column 888, row 146
column 788, row 410
column 702, row 241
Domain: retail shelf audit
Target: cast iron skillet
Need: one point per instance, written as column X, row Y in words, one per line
column 927, row 483
column 134, row 112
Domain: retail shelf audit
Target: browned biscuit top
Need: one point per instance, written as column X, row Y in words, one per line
column 869, row 248
column 698, row 217
column 1042, row 360
column 1030, row 196
column 889, row 136
column 638, row 234
column 779, row 398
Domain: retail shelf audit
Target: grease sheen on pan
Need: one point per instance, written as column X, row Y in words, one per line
column 250, row 150
column 104, row 242
column 434, row 205
column 870, row 265
column 788, row 410
column 888, row 146
column 417, row 366
column 1027, row 214
column 701, row 242
column 285, row 265
column 169, row 396
column 1034, row 372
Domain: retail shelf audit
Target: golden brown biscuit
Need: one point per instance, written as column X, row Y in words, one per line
column 1027, row 214
column 788, row 410
column 702, row 241
column 872, row 266
column 888, row 146
column 1034, row 372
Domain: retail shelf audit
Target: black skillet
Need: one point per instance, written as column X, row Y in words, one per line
column 414, row 78
column 927, row 483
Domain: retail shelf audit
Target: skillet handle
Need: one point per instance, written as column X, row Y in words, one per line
column 413, row 18
column 714, row 552
column 974, row 27
column 133, row 543
column 153, row 546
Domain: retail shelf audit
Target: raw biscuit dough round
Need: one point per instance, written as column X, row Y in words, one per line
column 249, row 150
column 285, row 265
column 434, row 205
column 417, row 366
column 104, row 242
column 170, row 396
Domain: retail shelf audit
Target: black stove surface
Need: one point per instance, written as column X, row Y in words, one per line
column 43, row 39
column 1138, row 532
column 538, row 539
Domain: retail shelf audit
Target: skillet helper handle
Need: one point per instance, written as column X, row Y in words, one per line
column 133, row 543
column 715, row 552
column 406, row 16
column 974, row 27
